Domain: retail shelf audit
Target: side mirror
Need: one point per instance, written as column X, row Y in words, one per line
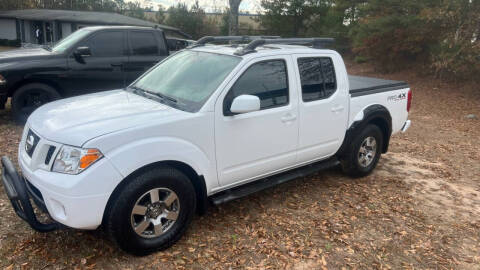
column 83, row 52
column 245, row 104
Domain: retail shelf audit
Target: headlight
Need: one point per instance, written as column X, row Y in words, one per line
column 3, row 81
column 73, row 160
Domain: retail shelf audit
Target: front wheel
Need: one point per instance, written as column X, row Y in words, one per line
column 364, row 152
column 29, row 97
column 152, row 211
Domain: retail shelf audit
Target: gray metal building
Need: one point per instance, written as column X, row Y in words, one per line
column 54, row 25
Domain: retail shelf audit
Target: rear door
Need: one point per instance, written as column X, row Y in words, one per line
column 323, row 109
column 103, row 69
column 257, row 143
column 147, row 47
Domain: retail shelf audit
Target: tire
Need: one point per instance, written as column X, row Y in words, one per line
column 121, row 219
column 29, row 97
column 360, row 158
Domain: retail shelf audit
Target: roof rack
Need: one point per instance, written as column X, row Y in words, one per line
column 210, row 39
column 317, row 43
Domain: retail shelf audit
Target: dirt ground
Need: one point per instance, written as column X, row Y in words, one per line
column 420, row 209
column 4, row 48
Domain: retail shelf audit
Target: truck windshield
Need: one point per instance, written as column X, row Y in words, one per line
column 68, row 41
column 186, row 79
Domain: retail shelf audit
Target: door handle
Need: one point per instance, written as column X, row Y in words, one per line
column 117, row 65
column 337, row 109
column 288, row 118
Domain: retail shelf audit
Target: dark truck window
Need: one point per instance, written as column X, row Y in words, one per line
column 267, row 80
column 318, row 78
column 106, row 44
column 143, row 43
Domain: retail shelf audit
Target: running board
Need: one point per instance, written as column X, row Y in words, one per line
column 271, row 181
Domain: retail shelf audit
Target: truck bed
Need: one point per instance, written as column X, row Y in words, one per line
column 360, row 86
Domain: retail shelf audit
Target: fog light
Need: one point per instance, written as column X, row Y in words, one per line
column 58, row 209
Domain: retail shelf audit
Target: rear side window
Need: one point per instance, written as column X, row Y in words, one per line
column 107, row 44
column 143, row 43
column 267, row 80
column 318, row 78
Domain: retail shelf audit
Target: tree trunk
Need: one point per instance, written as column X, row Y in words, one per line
column 233, row 17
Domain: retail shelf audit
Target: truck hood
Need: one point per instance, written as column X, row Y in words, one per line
column 76, row 120
column 24, row 54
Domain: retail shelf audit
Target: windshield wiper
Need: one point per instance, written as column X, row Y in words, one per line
column 161, row 96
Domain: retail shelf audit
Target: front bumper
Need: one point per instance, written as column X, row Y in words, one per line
column 74, row 211
column 17, row 191
column 76, row 201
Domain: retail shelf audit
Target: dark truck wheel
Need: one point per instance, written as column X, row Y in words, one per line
column 29, row 97
column 152, row 211
column 363, row 152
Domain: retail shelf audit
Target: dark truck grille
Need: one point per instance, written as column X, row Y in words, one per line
column 31, row 142
column 50, row 152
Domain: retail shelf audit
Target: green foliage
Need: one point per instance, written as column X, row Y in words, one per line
column 438, row 35
column 225, row 23
column 288, row 18
column 457, row 53
column 160, row 15
column 393, row 33
column 360, row 59
column 192, row 21
column 294, row 18
column 135, row 10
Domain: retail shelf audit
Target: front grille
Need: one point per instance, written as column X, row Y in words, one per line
column 31, row 142
column 50, row 152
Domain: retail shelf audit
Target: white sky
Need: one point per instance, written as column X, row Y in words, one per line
column 252, row 6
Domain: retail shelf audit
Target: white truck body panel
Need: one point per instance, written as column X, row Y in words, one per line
column 132, row 131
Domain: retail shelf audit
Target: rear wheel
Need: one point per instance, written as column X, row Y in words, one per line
column 364, row 152
column 152, row 211
column 29, row 97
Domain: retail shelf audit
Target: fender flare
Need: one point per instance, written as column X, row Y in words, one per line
column 157, row 149
column 190, row 159
column 373, row 114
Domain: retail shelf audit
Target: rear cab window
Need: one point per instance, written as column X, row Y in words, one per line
column 143, row 43
column 317, row 76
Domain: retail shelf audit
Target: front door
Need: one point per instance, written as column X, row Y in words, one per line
column 262, row 142
column 323, row 107
column 103, row 69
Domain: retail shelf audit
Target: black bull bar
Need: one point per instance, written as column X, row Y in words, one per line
column 17, row 192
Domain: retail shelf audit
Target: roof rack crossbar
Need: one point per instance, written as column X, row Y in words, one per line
column 210, row 39
column 317, row 43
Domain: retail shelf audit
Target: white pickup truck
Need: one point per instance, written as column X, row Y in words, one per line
column 207, row 125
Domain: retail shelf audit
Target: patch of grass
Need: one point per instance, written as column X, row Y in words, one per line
column 361, row 59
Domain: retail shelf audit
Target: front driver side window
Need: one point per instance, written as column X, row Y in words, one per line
column 106, row 44
column 267, row 80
